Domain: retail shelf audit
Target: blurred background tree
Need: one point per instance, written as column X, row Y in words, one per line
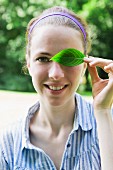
column 14, row 18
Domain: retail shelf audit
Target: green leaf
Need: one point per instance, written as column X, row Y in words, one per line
column 69, row 57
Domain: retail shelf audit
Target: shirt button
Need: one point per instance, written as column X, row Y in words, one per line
column 68, row 145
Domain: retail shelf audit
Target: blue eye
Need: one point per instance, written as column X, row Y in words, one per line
column 43, row 59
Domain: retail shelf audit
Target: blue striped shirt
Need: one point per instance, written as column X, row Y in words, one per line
column 81, row 150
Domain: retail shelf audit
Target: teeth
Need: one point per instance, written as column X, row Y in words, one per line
column 56, row 88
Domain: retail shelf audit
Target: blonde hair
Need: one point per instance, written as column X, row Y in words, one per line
column 58, row 21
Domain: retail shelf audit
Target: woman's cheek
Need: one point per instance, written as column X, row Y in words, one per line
column 76, row 70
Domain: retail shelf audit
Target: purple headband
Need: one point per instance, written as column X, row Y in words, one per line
column 61, row 14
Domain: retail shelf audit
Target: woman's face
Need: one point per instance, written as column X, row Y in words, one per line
column 55, row 83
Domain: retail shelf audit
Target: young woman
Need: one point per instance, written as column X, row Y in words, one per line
column 60, row 131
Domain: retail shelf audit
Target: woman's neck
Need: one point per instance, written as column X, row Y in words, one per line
column 55, row 117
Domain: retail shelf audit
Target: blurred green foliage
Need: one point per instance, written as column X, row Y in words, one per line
column 13, row 22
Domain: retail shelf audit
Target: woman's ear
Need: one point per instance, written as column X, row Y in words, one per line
column 84, row 69
column 83, row 72
column 28, row 67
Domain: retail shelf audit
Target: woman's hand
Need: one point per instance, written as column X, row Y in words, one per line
column 103, row 98
column 102, row 89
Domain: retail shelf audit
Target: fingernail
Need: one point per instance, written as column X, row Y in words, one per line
column 86, row 58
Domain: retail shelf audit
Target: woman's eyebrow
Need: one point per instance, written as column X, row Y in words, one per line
column 45, row 53
column 38, row 53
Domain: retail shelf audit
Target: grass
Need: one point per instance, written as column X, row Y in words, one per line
column 16, row 104
column 17, row 92
column 86, row 93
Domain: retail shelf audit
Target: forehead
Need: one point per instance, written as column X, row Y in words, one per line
column 56, row 36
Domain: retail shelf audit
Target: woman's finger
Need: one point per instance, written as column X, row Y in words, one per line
column 94, row 61
column 94, row 74
column 109, row 68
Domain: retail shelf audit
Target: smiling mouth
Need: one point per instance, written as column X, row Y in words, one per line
column 56, row 88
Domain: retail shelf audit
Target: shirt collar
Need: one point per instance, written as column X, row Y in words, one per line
column 82, row 119
column 25, row 129
column 84, row 114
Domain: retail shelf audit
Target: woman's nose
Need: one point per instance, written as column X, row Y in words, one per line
column 56, row 72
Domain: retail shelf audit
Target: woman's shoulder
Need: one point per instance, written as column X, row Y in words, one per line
column 84, row 101
column 85, row 113
column 10, row 141
column 10, row 131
